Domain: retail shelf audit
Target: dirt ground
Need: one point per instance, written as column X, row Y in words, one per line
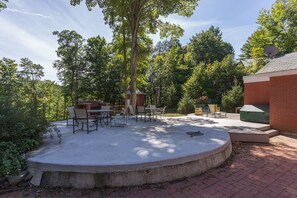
column 254, row 170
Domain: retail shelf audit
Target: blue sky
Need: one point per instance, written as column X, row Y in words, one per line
column 26, row 26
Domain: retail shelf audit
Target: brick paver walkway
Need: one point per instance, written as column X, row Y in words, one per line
column 255, row 170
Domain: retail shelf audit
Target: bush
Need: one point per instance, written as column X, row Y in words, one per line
column 9, row 159
column 232, row 99
column 26, row 145
column 186, row 105
column 23, row 137
column 20, row 132
column 21, row 128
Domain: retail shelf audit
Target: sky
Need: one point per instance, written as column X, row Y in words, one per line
column 26, row 26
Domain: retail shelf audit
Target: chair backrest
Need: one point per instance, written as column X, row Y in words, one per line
column 81, row 114
column 212, row 108
column 107, row 107
column 71, row 113
column 163, row 110
column 218, row 109
column 153, row 106
column 140, row 109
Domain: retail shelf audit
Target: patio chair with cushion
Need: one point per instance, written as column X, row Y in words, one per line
column 153, row 109
column 140, row 111
column 120, row 119
column 82, row 117
column 160, row 112
column 215, row 111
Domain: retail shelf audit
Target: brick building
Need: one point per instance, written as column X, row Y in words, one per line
column 276, row 85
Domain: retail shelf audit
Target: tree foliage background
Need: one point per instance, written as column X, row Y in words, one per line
column 277, row 27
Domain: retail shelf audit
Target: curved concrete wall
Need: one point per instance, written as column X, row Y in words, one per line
column 155, row 173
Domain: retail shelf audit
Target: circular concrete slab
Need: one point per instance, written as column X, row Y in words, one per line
column 142, row 152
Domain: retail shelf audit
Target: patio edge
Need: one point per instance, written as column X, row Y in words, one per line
column 163, row 171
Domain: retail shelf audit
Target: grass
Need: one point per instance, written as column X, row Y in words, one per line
column 173, row 115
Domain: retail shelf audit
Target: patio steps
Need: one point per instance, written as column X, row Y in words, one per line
column 245, row 134
column 272, row 132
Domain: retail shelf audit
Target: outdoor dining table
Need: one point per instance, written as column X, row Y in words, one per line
column 102, row 113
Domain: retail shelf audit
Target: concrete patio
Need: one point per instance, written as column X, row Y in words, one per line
column 140, row 153
column 143, row 148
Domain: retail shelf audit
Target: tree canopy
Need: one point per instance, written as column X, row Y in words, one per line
column 141, row 16
column 69, row 67
column 208, row 46
column 213, row 80
column 277, row 27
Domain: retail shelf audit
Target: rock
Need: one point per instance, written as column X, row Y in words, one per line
column 14, row 180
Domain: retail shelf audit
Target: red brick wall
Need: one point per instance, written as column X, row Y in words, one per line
column 256, row 93
column 283, row 103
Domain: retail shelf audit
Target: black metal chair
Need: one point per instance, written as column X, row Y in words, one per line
column 105, row 116
column 82, row 117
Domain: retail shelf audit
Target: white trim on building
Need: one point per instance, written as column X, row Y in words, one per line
column 262, row 77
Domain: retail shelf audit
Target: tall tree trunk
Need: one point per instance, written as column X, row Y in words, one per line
column 133, row 86
column 125, row 65
column 72, row 88
column 134, row 50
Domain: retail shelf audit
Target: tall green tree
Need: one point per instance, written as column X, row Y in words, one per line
column 169, row 70
column 51, row 100
column 213, row 80
column 70, row 65
column 277, row 27
column 20, row 120
column 208, row 46
column 120, row 49
column 8, row 77
column 233, row 98
column 31, row 74
column 97, row 58
column 142, row 16
column 102, row 80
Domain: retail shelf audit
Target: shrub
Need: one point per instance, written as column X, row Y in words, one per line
column 232, row 98
column 186, row 105
column 26, row 145
column 10, row 163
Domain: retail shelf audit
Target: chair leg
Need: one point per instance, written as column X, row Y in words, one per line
column 73, row 126
column 101, row 122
